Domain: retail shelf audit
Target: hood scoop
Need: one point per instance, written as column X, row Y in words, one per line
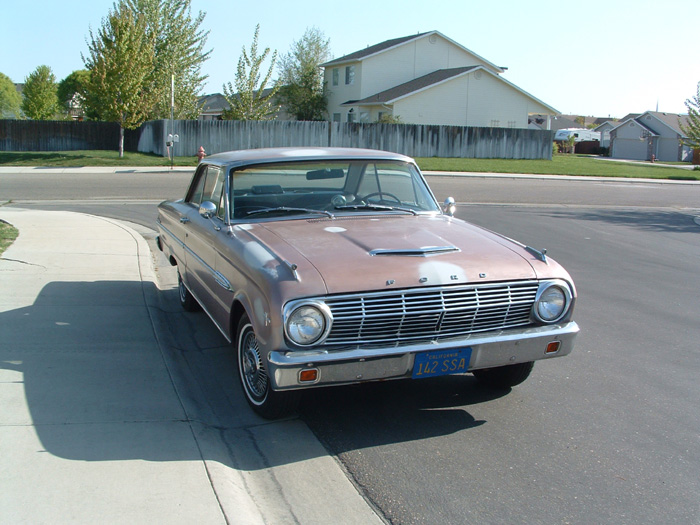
column 416, row 252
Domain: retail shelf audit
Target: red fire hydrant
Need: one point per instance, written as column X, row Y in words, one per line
column 201, row 153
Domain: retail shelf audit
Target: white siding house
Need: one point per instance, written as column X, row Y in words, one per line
column 650, row 134
column 426, row 79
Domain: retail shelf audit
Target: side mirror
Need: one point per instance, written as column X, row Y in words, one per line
column 449, row 207
column 207, row 209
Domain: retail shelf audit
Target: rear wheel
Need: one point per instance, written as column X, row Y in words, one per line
column 254, row 378
column 187, row 300
column 504, row 376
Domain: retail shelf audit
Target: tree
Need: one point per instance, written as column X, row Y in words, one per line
column 691, row 128
column 248, row 100
column 302, row 91
column 10, row 99
column 120, row 61
column 178, row 49
column 386, row 118
column 40, row 101
column 73, row 85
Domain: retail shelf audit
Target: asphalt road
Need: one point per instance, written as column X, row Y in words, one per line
column 609, row 434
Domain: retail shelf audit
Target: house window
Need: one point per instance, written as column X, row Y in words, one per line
column 351, row 116
column 364, row 116
column 349, row 75
column 336, row 76
column 336, row 117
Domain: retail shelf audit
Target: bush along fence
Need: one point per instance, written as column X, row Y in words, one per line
column 218, row 136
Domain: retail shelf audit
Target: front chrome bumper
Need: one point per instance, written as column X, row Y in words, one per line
column 488, row 350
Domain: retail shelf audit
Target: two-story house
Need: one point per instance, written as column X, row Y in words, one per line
column 426, row 78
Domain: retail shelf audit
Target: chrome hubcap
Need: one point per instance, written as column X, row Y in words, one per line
column 253, row 368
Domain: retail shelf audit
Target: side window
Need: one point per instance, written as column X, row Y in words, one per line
column 195, row 195
column 209, row 186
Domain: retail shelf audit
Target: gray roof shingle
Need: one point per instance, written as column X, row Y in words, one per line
column 376, row 48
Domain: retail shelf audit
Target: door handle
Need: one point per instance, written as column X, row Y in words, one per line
column 184, row 220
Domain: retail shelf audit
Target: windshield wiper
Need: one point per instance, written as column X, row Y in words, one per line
column 286, row 209
column 377, row 207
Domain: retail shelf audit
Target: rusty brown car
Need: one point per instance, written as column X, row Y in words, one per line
column 329, row 266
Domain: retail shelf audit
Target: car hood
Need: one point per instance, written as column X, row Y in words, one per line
column 382, row 252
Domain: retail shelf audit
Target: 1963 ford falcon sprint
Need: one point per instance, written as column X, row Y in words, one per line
column 335, row 266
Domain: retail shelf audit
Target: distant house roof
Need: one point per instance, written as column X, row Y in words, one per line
column 395, row 42
column 670, row 120
column 629, row 116
column 556, row 123
column 214, row 103
column 609, row 123
column 635, row 122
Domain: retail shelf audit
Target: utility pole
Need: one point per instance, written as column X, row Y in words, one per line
column 172, row 120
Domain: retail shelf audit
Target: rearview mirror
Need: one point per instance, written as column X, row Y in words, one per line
column 207, row 209
column 335, row 173
column 449, row 207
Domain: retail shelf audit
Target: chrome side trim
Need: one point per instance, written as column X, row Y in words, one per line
column 218, row 276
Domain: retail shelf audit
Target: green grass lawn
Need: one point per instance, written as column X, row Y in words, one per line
column 88, row 158
column 582, row 165
column 8, row 234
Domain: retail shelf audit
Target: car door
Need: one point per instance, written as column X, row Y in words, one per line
column 205, row 236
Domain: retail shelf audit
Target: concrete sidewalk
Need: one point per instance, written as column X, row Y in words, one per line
column 103, row 421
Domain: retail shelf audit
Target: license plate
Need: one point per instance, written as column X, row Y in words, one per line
column 441, row 362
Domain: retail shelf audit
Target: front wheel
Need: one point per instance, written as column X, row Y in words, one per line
column 504, row 376
column 254, row 379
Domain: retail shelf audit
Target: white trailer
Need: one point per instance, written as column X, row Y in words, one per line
column 579, row 134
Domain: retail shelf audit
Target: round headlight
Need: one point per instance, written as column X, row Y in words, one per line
column 306, row 325
column 552, row 303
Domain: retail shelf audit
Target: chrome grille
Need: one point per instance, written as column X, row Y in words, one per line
column 429, row 313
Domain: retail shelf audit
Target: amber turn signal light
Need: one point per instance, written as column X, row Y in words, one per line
column 308, row 376
column 553, row 347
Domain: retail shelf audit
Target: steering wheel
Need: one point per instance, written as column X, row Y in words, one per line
column 381, row 196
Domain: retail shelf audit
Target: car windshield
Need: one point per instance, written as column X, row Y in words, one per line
column 332, row 187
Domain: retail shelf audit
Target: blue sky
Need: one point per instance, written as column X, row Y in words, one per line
column 590, row 58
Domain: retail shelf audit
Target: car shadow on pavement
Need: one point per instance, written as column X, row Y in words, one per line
column 650, row 220
column 374, row 414
column 113, row 370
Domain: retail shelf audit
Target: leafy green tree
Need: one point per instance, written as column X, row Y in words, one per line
column 303, row 91
column 120, row 61
column 179, row 52
column 74, row 84
column 40, row 101
column 692, row 127
column 386, row 118
column 249, row 99
column 10, row 99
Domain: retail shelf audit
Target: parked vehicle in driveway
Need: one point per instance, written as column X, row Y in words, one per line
column 335, row 266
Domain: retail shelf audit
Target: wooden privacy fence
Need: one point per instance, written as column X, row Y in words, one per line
column 63, row 135
column 218, row 136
